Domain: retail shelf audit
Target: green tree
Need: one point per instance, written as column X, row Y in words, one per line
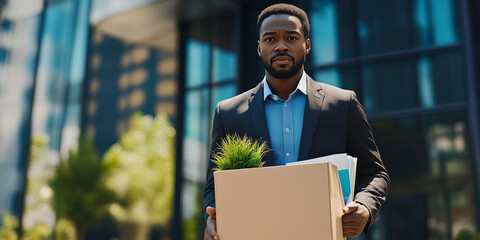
column 80, row 194
column 466, row 234
column 9, row 229
column 10, row 226
column 142, row 167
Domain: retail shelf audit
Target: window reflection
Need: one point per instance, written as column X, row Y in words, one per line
column 4, row 55
column 342, row 29
column 329, row 76
column 384, row 80
column 224, row 65
column 346, row 78
column 195, row 152
column 332, row 30
column 432, row 193
column 447, row 70
column 393, row 25
column 424, row 82
column 197, row 63
column 360, row 45
column 49, row 108
column 18, row 46
column 211, row 69
column 223, row 92
column 56, row 109
column 196, row 133
column 450, row 161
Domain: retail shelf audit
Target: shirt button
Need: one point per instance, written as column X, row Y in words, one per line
column 275, row 98
column 285, row 105
column 287, row 130
column 287, row 154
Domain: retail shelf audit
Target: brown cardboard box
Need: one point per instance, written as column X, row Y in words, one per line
column 276, row 203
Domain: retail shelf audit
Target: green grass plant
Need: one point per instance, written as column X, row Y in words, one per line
column 235, row 152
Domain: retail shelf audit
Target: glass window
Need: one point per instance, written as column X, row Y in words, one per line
column 342, row 29
column 56, row 109
column 197, row 63
column 102, row 9
column 329, row 76
column 395, row 25
column 53, row 70
column 195, row 152
column 224, row 58
column 426, row 154
column 211, row 69
column 447, row 72
column 224, row 65
column 400, row 144
column 332, row 30
column 6, row 25
column 346, row 78
column 423, row 82
column 389, row 85
column 452, row 207
column 18, row 49
column 432, row 193
column 79, row 51
column 223, row 92
column 4, row 56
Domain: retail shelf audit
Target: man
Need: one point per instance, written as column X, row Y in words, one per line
column 300, row 119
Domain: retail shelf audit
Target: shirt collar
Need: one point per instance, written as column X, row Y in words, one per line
column 302, row 86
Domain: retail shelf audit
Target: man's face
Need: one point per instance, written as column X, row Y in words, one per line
column 282, row 45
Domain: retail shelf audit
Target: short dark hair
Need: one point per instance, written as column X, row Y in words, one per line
column 283, row 8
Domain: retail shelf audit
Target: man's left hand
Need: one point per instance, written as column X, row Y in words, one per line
column 355, row 217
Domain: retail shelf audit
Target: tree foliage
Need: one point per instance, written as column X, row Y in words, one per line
column 466, row 234
column 10, row 226
column 142, row 171
column 80, row 194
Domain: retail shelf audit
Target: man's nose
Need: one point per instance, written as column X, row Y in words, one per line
column 281, row 47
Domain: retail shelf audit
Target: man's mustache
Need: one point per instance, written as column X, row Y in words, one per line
column 281, row 55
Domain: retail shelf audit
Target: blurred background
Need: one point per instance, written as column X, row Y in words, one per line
column 106, row 108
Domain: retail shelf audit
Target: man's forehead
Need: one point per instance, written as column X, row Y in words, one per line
column 277, row 22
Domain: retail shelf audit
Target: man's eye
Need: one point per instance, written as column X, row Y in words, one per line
column 270, row 39
column 292, row 38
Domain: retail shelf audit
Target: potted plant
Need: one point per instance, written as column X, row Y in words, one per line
column 237, row 152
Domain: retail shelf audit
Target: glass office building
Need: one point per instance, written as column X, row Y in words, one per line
column 71, row 67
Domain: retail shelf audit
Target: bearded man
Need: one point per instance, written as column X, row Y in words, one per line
column 300, row 118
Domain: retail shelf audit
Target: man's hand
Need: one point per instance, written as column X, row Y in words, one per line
column 211, row 229
column 355, row 217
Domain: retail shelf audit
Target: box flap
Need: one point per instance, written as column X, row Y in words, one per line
column 336, row 202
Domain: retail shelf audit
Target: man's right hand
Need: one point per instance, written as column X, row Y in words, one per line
column 211, row 229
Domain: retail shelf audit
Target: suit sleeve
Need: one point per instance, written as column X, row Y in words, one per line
column 372, row 182
column 217, row 134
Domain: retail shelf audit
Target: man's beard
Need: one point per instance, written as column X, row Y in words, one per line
column 284, row 73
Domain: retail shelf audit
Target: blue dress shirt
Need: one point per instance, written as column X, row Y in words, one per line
column 285, row 121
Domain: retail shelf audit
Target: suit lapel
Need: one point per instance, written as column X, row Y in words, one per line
column 259, row 122
column 313, row 107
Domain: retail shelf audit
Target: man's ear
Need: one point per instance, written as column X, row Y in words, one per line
column 307, row 43
column 258, row 49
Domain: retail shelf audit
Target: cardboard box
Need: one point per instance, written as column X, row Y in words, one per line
column 283, row 202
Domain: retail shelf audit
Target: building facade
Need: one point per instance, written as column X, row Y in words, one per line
column 90, row 65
